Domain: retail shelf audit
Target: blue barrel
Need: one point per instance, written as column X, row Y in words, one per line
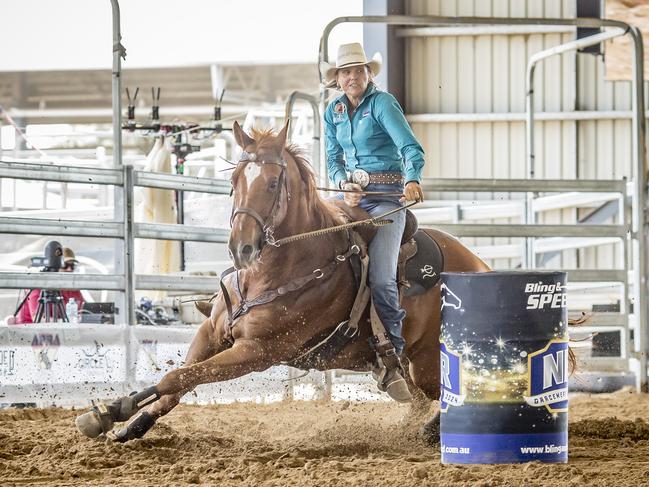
column 504, row 367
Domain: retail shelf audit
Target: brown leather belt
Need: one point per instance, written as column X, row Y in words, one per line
column 364, row 178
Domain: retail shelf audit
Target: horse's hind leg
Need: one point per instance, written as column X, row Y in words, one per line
column 424, row 372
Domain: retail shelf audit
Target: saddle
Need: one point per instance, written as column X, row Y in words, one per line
column 420, row 259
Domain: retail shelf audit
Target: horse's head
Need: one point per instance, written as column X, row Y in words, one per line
column 260, row 185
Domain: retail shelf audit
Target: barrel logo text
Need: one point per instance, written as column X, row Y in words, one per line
column 548, row 377
column 451, row 378
column 542, row 296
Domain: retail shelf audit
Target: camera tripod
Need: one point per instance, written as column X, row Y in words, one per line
column 50, row 306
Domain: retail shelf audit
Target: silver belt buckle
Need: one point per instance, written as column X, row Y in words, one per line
column 360, row 177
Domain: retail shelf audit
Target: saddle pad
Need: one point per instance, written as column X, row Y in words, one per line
column 424, row 269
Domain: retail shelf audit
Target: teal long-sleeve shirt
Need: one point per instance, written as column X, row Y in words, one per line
column 376, row 139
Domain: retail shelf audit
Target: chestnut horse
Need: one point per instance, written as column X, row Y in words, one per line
column 275, row 195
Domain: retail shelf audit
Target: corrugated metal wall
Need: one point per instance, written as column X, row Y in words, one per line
column 604, row 147
column 482, row 74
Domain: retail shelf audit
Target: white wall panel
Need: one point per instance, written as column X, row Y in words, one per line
column 604, row 146
column 485, row 74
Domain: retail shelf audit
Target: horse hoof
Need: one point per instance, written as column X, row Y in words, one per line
column 398, row 390
column 90, row 424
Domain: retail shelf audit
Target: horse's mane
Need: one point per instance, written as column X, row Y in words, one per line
column 329, row 213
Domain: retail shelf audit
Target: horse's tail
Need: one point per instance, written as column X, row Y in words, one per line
column 572, row 361
column 572, row 358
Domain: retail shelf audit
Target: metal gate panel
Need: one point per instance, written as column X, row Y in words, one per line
column 485, row 74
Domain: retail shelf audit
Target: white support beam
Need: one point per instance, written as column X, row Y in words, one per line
column 484, row 30
column 520, row 230
column 520, row 116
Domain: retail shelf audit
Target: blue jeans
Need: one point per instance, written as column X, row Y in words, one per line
column 384, row 255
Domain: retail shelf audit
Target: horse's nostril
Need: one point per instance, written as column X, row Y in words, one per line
column 246, row 250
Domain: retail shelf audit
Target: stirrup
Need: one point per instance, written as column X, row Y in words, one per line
column 389, row 374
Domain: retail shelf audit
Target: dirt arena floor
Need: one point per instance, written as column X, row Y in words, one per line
column 315, row 444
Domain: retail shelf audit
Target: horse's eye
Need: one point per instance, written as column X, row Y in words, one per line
column 272, row 186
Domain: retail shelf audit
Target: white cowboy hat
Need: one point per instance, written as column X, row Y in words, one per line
column 349, row 55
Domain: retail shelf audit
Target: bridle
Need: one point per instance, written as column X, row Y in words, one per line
column 267, row 225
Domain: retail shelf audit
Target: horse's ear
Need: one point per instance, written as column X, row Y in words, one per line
column 281, row 136
column 242, row 138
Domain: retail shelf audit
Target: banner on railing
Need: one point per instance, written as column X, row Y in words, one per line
column 70, row 365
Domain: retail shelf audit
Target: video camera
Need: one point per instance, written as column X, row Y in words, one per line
column 52, row 260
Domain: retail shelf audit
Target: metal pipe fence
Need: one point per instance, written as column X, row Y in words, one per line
column 630, row 233
column 320, row 168
column 125, row 179
column 125, row 228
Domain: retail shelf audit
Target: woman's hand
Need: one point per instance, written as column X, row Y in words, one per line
column 352, row 199
column 412, row 192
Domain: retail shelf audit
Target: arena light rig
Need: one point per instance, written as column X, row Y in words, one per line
column 186, row 135
column 186, row 138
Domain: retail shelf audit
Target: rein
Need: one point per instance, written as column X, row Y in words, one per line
column 372, row 193
column 377, row 221
column 267, row 225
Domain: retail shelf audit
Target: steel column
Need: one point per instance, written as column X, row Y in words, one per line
column 530, row 259
column 639, row 210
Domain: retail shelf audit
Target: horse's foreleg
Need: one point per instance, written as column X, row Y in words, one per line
column 101, row 418
column 244, row 357
column 145, row 420
column 201, row 348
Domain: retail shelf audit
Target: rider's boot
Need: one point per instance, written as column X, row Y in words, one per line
column 389, row 373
